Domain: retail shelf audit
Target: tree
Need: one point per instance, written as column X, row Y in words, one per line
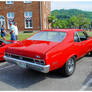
column 73, row 22
column 53, row 21
column 79, row 21
column 82, row 21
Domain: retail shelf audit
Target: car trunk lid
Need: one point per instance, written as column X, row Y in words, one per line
column 32, row 48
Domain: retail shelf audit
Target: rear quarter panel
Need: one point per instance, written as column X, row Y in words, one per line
column 57, row 56
column 90, row 43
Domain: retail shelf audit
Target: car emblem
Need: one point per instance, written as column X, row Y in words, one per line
column 37, row 56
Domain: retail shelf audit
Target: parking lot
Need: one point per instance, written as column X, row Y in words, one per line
column 14, row 78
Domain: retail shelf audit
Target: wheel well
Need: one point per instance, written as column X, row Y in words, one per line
column 75, row 56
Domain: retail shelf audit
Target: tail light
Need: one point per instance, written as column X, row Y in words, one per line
column 37, row 61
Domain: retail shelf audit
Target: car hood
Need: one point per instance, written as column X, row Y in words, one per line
column 32, row 48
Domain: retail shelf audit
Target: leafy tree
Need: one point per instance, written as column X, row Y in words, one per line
column 79, row 21
column 73, row 21
column 82, row 21
column 62, row 13
column 53, row 20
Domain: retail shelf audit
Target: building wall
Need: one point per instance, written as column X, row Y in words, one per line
column 46, row 9
column 19, row 7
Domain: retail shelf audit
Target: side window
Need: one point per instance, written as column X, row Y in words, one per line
column 83, row 36
column 86, row 34
column 76, row 38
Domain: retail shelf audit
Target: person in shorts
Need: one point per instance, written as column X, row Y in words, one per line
column 3, row 33
column 12, row 32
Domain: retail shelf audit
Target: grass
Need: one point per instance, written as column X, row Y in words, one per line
column 89, row 33
column 21, row 36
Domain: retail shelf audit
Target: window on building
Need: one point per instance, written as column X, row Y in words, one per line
column 44, row 2
column 28, row 19
column 2, row 21
column 9, row 2
column 10, row 17
column 27, row 1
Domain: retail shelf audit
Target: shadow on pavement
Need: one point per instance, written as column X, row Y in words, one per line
column 22, row 78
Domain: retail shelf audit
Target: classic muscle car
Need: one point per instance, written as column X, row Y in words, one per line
column 49, row 50
column 3, row 45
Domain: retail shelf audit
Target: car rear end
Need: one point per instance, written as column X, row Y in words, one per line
column 27, row 62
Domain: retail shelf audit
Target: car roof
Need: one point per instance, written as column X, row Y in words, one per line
column 65, row 30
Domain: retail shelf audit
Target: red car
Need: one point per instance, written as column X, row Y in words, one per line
column 49, row 50
column 3, row 45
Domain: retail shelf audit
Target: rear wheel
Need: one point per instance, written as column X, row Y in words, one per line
column 69, row 67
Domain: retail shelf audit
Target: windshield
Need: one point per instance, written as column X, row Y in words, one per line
column 49, row 36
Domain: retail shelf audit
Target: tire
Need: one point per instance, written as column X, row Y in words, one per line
column 69, row 67
column 90, row 53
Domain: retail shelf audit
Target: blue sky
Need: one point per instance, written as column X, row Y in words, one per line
column 83, row 5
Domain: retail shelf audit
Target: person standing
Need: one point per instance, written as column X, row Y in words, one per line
column 3, row 33
column 16, row 31
column 12, row 31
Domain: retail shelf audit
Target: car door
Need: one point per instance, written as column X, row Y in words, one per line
column 84, row 42
column 78, row 45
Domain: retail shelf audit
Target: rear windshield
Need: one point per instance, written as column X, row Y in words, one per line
column 49, row 36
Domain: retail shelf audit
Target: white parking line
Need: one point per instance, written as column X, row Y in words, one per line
column 7, row 67
column 86, row 85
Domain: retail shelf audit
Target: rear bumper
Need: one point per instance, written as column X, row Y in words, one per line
column 41, row 68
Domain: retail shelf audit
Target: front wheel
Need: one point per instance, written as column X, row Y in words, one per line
column 90, row 53
column 69, row 67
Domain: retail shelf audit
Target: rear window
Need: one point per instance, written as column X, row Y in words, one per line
column 49, row 36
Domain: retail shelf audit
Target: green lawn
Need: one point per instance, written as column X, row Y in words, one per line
column 21, row 36
column 89, row 33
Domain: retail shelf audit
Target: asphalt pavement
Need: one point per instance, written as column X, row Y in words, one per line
column 14, row 78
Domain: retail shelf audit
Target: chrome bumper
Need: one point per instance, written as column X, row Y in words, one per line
column 41, row 68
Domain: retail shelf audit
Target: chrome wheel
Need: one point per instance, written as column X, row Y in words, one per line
column 70, row 65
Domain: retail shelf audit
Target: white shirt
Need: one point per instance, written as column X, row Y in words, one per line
column 12, row 28
column 16, row 30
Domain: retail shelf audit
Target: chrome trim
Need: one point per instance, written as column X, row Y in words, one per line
column 41, row 68
column 9, row 55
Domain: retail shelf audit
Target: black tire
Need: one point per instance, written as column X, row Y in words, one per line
column 90, row 53
column 69, row 67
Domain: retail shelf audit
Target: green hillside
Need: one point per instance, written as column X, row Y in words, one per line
column 64, row 14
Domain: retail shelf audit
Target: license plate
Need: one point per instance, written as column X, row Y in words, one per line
column 23, row 65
